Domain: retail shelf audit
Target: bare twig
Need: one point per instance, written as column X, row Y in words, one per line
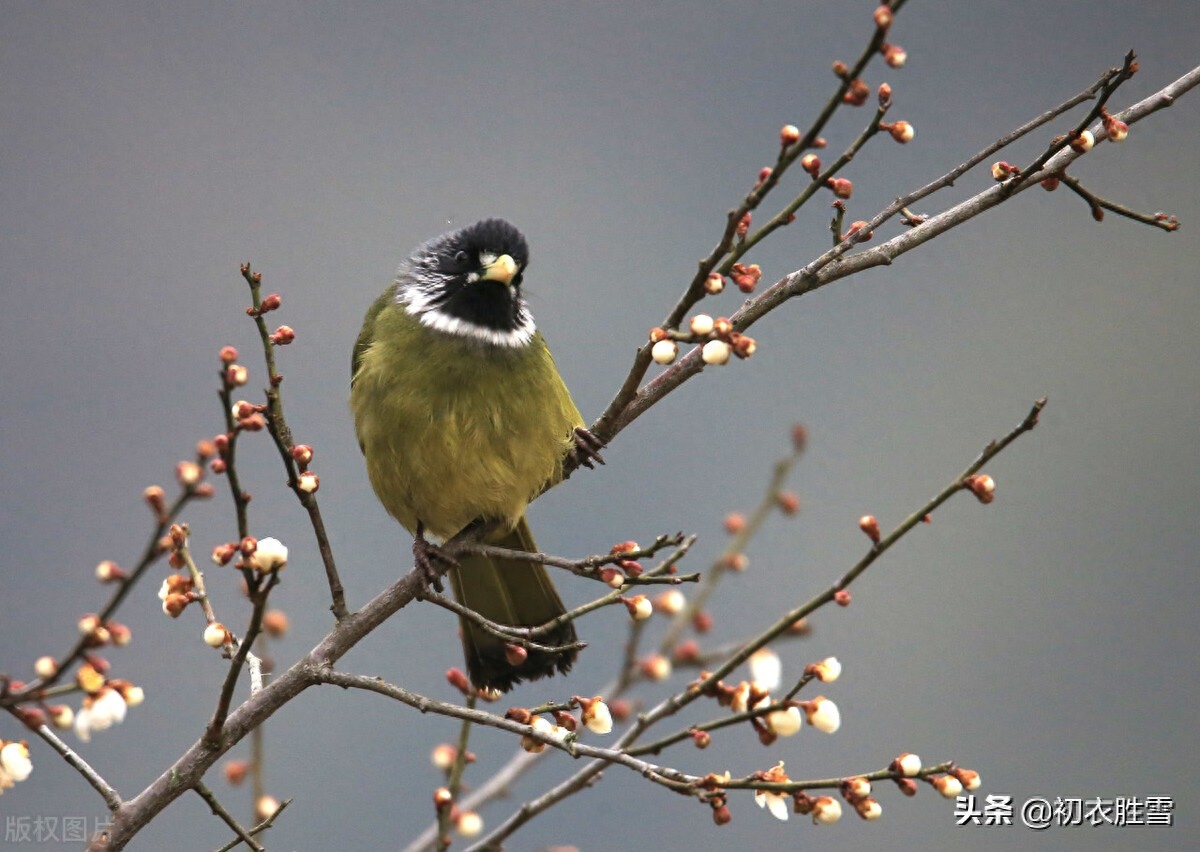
column 218, row 810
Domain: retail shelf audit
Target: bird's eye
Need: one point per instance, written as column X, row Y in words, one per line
column 461, row 258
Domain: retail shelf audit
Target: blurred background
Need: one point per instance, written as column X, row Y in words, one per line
column 1047, row 640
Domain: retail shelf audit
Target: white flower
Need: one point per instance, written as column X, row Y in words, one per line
column 83, row 724
column 270, row 555
column 99, row 713
column 776, row 803
column 766, row 670
column 14, row 759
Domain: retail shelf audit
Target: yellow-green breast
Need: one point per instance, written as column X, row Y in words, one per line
column 453, row 429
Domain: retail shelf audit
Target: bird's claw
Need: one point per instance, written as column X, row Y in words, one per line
column 428, row 556
column 586, row 452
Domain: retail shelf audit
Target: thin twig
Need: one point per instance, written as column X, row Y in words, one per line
column 257, row 829
column 218, row 809
column 107, row 792
column 281, row 433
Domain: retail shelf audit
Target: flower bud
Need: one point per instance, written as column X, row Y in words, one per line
column 826, row 671
column 949, row 786
column 664, row 352
column 982, row 486
column 785, row 723
column 902, row 131
column 906, row 764
column 469, row 824
column 639, row 607
column 789, row 135
column 275, row 622
column 870, row 526
column 655, row 667
column 236, row 375
column 714, row 283
column 515, row 655
column 235, row 771
column 969, row 778
column 458, row 680
column 716, row 352
column 854, row 789
column 596, row 715
column 308, row 482
column 1116, row 129
column 822, row 714
column 1083, row 143
column 215, row 635
column 894, row 55
column 826, row 810
column 670, row 602
column 701, row 325
column 108, row 572
column 868, row 808
column 842, row 188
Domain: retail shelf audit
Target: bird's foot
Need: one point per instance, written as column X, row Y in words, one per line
column 428, row 556
column 586, row 452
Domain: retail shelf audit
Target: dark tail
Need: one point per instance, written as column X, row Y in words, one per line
column 516, row 593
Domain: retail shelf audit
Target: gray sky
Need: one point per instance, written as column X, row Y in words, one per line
column 148, row 150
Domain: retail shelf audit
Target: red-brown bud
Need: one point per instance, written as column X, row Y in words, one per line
column 841, row 187
column 235, row 771
column 458, row 680
column 515, row 655
column 857, row 94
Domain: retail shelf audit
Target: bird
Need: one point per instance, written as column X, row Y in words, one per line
column 462, row 415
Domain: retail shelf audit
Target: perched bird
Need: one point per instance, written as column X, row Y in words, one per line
column 461, row 414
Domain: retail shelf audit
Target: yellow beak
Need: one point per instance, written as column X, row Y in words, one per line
column 502, row 269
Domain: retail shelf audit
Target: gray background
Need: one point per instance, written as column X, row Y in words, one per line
column 1047, row 640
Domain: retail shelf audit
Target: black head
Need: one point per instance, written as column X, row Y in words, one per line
column 468, row 283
